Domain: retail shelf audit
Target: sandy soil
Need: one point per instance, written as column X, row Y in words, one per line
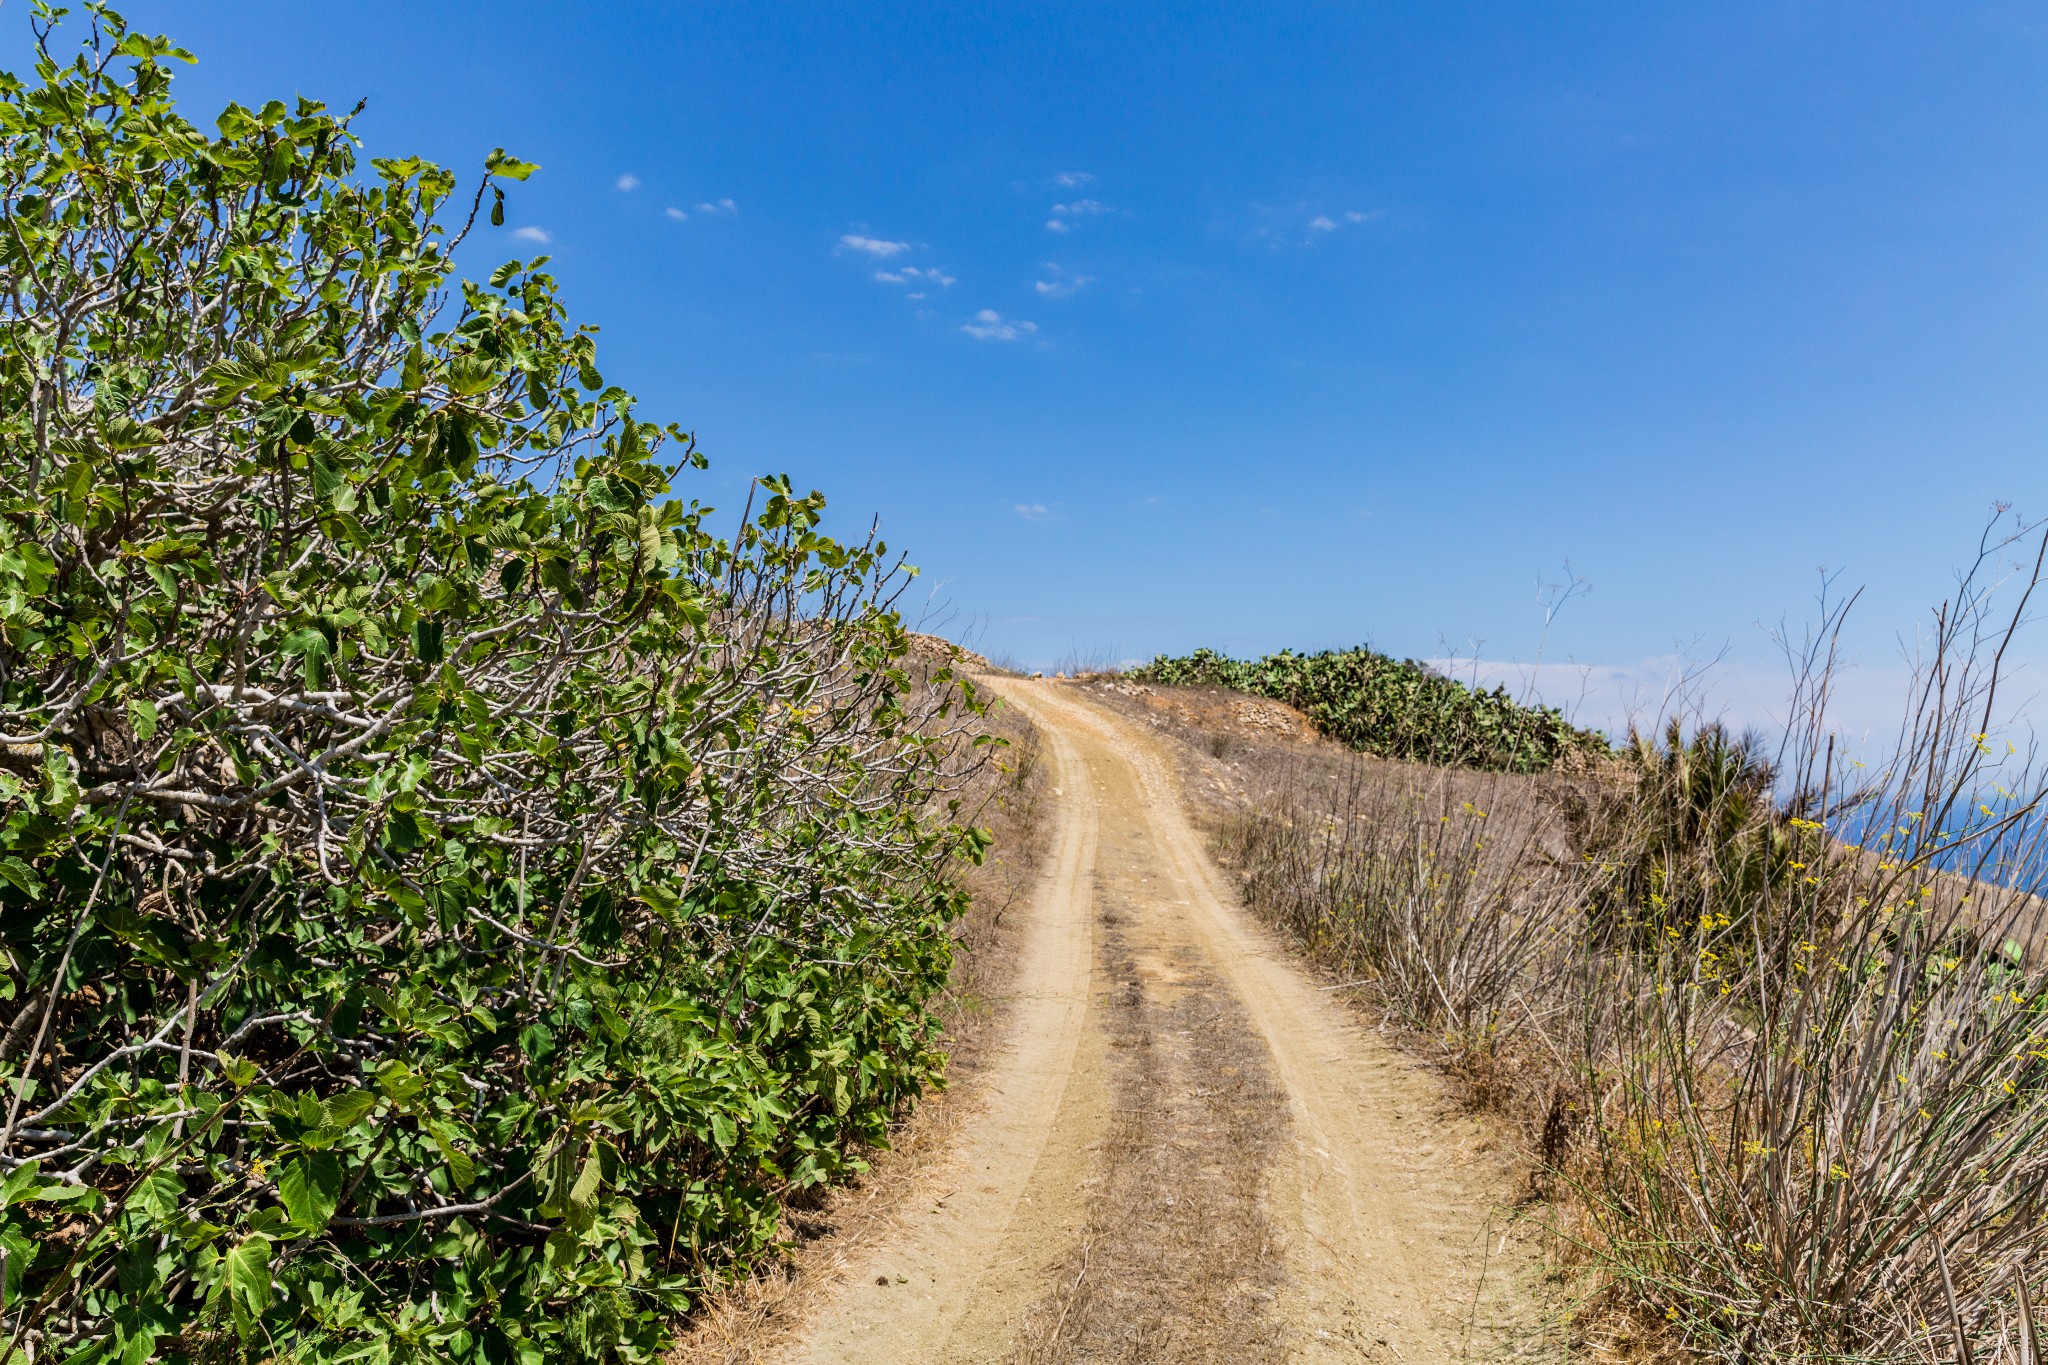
column 1185, row 1150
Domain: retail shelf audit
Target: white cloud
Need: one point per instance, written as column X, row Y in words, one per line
column 910, row 274
column 874, row 246
column 1064, row 214
column 1298, row 225
column 676, row 213
column 989, row 325
column 533, row 234
column 1318, row 225
column 1072, row 180
column 722, row 206
column 1033, row 511
column 1061, row 284
column 628, row 181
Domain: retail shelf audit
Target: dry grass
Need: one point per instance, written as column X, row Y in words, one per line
column 1784, row 1079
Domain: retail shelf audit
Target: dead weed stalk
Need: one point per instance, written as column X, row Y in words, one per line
column 1774, row 1022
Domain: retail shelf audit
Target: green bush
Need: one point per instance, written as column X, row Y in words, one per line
column 448, row 894
column 1393, row 709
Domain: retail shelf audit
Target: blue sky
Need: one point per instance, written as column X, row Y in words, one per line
column 1265, row 325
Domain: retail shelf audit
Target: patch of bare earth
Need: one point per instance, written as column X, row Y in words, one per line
column 1178, row 1259
column 1232, row 756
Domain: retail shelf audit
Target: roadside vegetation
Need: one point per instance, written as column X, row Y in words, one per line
column 759, row 1313
column 1769, row 1021
column 455, row 889
column 1393, row 708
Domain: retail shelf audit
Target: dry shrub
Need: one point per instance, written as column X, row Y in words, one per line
column 1430, row 890
column 1773, row 1030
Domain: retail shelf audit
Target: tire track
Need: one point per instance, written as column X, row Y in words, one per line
column 904, row 1298
column 1212, row 1162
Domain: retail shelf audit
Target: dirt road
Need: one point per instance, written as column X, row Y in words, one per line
column 1187, row 1151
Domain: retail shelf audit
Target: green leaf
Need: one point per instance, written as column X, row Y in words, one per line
column 32, row 564
column 316, row 649
column 137, row 1326
column 348, row 1108
column 245, row 1282
column 20, row 1180
column 21, row 1256
column 426, row 640
column 561, row 1249
column 236, row 1071
column 583, row 1194
column 157, row 1192
column 307, row 640
column 20, row 876
column 172, row 550
column 150, row 49
column 557, row 1173
column 498, row 163
column 125, row 433
column 77, row 479
column 142, row 715
column 437, row 593
column 60, row 781
column 406, row 831
column 310, row 1187
column 472, row 375
column 461, row 1166
column 399, row 1081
